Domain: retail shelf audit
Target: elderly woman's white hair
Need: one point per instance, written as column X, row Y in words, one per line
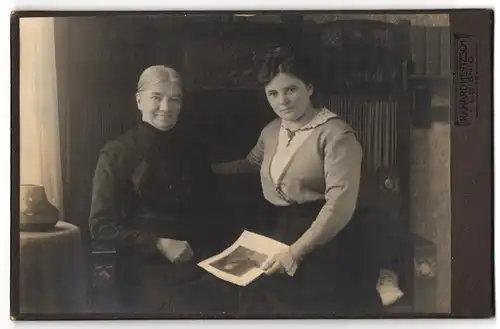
column 156, row 74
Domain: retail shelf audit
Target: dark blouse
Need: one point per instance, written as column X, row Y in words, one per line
column 150, row 184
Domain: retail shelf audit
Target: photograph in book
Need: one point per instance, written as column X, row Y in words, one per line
column 240, row 261
column 216, row 159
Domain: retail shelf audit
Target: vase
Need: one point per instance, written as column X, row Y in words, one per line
column 36, row 212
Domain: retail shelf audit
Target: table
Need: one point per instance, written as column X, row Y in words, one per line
column 52, row 275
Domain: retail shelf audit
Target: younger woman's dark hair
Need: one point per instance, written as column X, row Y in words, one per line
column 289, row 61
column 284, row 60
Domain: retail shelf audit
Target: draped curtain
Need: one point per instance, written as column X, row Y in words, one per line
column 40, row 160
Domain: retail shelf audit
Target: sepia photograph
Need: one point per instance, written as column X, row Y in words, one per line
column 240, row 261
column 148, row 142
column 249, row 257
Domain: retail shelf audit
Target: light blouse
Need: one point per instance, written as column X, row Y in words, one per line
column 322, row 162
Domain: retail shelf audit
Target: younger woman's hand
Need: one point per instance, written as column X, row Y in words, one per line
column 283, row 262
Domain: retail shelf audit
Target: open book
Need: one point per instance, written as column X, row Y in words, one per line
column 243, row 261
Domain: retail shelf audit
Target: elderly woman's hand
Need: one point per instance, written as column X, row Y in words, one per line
column 283, row 262
column 174, row 250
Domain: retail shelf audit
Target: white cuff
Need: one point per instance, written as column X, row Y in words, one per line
column 289, row 263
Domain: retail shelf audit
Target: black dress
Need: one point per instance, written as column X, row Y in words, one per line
column 150, row 184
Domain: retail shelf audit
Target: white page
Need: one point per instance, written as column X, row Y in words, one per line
column 242, row 262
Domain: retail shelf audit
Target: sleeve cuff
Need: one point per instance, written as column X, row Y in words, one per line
column 303, row 245
column 290, row 263
column 148, row 242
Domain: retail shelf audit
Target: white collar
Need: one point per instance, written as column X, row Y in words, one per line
column 321, row 117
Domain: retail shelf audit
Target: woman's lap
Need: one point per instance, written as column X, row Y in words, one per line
column 207, row 296
column 274, row 296
column 152, row 282
column 266, row 296
column 338, row 280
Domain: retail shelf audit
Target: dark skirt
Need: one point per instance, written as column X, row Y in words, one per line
column 336, row 279
column 146, row 280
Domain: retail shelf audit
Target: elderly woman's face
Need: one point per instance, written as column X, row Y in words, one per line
column 160, row 104
column 289, row 97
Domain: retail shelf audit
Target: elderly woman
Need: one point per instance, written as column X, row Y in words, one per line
column 152, row 188
column 310, row 165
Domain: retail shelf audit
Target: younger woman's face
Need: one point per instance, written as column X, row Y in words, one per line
column 289, row 96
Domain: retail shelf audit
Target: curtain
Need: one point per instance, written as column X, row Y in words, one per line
column 40, row 161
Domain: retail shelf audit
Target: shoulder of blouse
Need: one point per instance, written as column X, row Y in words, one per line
column 335, row 127
column 336, row 131
column 270, row 129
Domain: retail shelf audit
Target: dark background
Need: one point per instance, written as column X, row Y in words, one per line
column 99, row 60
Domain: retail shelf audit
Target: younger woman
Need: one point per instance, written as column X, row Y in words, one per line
column 310, row 165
